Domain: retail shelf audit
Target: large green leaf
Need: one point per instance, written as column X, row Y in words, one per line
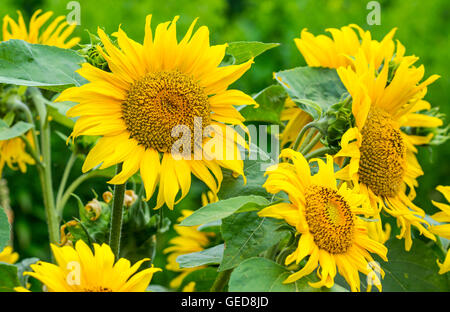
column 271, row 103
column 264, row 275
column 242, row 51
column 254, row 169
column 35, row 65
column 4, row 229
column 208, row 256
column 246, row 235
column 203, row 278
column 16, row 130
column 8, row 277
column 313, row 89
column 224, row 208
column 414, row 270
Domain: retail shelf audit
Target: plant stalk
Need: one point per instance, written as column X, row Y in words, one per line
column 221, row 280
column 117, row 215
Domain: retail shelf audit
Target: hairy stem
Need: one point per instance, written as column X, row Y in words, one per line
column 116, row 216
column 221, row 280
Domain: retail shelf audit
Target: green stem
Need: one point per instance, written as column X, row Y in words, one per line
column 318, row 152
column 301, row 134
column 72, row 187
column 62, row 184
column 311, row 144
column 221, row 280
column 117, row 215
column 308, row 138
column 32, row 151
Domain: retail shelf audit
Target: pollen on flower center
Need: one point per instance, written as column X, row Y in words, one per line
column 158, row 102
column 329, row 218
column 98, row 289
column 383, row 154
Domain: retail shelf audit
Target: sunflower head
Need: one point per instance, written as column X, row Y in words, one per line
column 56, row 34
column 162, row 98
column 81, row 270
column 325, row 216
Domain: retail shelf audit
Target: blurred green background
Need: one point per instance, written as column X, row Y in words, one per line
column 423, row 27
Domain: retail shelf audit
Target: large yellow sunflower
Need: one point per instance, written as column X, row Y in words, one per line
column 80, row 270
column 442, row 230
column 382, row 156
column 153, row 87
column 13, row 152
column 325, row 216
column 56, row 34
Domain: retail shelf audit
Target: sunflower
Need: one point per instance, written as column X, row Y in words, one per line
column 189, row 240
column 56, row 34
column 325, row 216
column 323, row 51
column 153, row 88
column 12, row 153
column 382, row 155
column 442, row 230
column 8, row 256
column 80, row 270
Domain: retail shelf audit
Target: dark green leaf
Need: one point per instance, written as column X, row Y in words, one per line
column 203, row 278
column 8, row 277
column 264, row 275
column 208, row 256
column 313, row 89
column 242, row 51
column 4, row 229
column 222, row 209
column 414, row 270
column 246, row 235
column 18, row 129
column 25, row 64
column 271, row 103
column 24, row 266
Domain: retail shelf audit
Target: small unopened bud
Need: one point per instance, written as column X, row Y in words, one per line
column 65, row 238
column 107, row 197
column 130, row 198
column 95, row 208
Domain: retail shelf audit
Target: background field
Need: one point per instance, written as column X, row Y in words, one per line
column 423, row 27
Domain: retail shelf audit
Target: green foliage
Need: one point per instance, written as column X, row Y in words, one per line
column 4, row 229
column 16, row 130
column 35, row 65
column 271, row 103
column 208, row 256
column 242, row 51
column 8, row 277
column 255, row 235
column 203, row 278
column 224, row 208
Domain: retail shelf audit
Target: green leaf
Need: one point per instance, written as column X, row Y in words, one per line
column 271, row 103
column 414, row 270
column 58, row 113
column 35, row 65
column 223, row 208
column 8, row 277
column 242, row 51
column 313, row 89
column 18, row 129
column 4, row 229
column 264, row 275
column 254, row 169
column 208, row 256
column 203, row 278
column 246, row 235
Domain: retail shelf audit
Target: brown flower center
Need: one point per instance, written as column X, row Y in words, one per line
column 330, row 220
column 160, row 101
column 383, row 154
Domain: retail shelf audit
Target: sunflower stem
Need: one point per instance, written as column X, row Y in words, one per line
column 298, row 140
column 117, row 215
column 311, row 144
column 63, row 182
column 221, row 280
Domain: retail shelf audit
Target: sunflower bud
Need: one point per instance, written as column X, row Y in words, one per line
column 339, row 119
column 107, row 197
column 66, row 239
column 94, row 209
column 130, row 198
column 91, row 52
